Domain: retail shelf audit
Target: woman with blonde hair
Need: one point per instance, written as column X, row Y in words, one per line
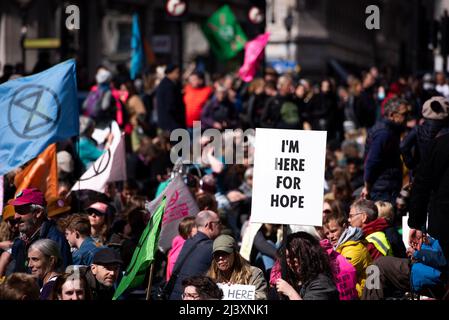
column 229, row 267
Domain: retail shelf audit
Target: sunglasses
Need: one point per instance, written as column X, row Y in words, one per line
column 95, row 212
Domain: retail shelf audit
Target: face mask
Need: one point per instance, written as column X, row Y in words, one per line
column 103, row 76
column 381, row 95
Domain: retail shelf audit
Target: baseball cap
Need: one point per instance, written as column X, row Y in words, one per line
column 29, row 196
column 224, row 243
column 57, row 206
column 106, row 256
column 98, row 208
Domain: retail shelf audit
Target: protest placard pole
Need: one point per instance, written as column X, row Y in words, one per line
column 150, row 280
column 284, row 272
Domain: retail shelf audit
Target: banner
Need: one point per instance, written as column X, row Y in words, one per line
column 222, row 30
column 237, row 291
column 36, row 111
column 253, row 55
column 288, row 180
column 110, row 167
column 41, row 173
column 180, row 204
column 144, row 253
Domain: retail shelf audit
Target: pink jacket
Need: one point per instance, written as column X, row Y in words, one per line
column 176, row 247
column 344, row 273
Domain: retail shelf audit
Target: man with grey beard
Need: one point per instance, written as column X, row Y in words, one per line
column 31, row 217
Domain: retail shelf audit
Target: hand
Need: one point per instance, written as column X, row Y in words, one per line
column 365, row 193
column 217, row 125
column 5, row 245
column 410, row 251
column 415, row 239
column 286, row 289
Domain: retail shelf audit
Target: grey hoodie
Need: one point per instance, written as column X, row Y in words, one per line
column 351, row 233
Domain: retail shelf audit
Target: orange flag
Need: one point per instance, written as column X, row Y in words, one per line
column 41, row 173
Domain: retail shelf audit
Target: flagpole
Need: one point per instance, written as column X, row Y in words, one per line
column 150, row 280
column 284, row 258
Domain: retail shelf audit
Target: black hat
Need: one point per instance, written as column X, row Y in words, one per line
column 170, row 68
column 106, row 256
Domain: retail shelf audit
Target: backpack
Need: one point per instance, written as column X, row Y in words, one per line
column 92, row 105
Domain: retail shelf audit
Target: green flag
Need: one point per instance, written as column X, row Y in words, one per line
column 144, row 253
column 225, row 36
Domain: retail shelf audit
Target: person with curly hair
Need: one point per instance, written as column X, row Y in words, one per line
column 309, row 273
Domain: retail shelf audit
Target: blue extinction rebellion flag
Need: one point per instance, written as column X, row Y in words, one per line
column 36, row 111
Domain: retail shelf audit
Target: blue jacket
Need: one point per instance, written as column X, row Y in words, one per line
column 383, row 168
column 426, row 271
column 85, row 253
column 48, row 231
column 197, row 263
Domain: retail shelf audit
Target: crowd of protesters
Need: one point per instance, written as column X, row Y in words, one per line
column 387, row 157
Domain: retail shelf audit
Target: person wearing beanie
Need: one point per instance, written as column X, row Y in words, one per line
column 229, row 267
column 169, row 101
column 415, row 146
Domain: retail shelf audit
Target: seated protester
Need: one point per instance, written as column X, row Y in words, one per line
column 363, row 214
column 77, row 233
column 344, row 272
column 309, row 273
column 424, row 269
column 71, row 286
column 186, row 229
column 135, row 224
column 103, row 273
column 19, row 286
column 350, row 243
column 201, row 288
column 229, row 267
column 196, row 256
column 99, row 222
column 44, row 261
column 31, row 217
column 385, row 210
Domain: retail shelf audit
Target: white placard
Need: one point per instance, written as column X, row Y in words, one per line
column 238, row 291
column 288, row 177
column 248, row 239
